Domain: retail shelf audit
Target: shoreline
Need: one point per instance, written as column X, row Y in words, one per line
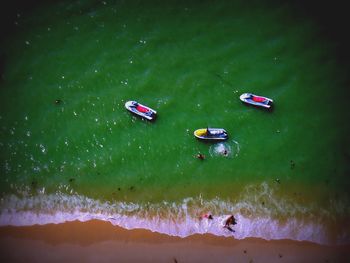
column 100, row 241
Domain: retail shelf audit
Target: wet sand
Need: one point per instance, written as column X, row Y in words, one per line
column 97, row 241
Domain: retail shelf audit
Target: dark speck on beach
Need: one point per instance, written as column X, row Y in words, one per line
column 245, row 251
column 175, row 260
column 280, row 255
column 119, row 189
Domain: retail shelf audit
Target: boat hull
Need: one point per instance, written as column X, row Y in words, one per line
column 141, row 110
column 214, row 134
column 263, row 101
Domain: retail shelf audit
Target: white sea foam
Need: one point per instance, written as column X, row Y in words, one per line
column 228, row 149
column 176, row 219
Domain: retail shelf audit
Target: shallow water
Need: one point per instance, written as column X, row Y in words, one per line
column 70, row 150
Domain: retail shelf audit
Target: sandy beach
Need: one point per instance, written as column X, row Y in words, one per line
column 97, row 241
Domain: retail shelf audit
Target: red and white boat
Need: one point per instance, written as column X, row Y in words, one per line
column 255, row 100
column 141, row 110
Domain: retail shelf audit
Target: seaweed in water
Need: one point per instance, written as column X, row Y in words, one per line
column 292, row 164
column 58, row 101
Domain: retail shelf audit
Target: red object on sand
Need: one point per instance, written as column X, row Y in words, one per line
column 208, row 216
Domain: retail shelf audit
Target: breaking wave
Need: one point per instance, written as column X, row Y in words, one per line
column 281, row 220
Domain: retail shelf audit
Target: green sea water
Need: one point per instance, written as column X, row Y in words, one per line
column 70, row 66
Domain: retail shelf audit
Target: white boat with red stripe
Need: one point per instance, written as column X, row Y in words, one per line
column 256, row 100
column 141, row 110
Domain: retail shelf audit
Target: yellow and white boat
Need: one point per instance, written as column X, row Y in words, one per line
column 214, row 134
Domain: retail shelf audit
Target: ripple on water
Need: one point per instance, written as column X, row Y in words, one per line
column 228, row 149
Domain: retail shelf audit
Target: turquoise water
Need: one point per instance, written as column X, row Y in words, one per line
column 70, row 150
